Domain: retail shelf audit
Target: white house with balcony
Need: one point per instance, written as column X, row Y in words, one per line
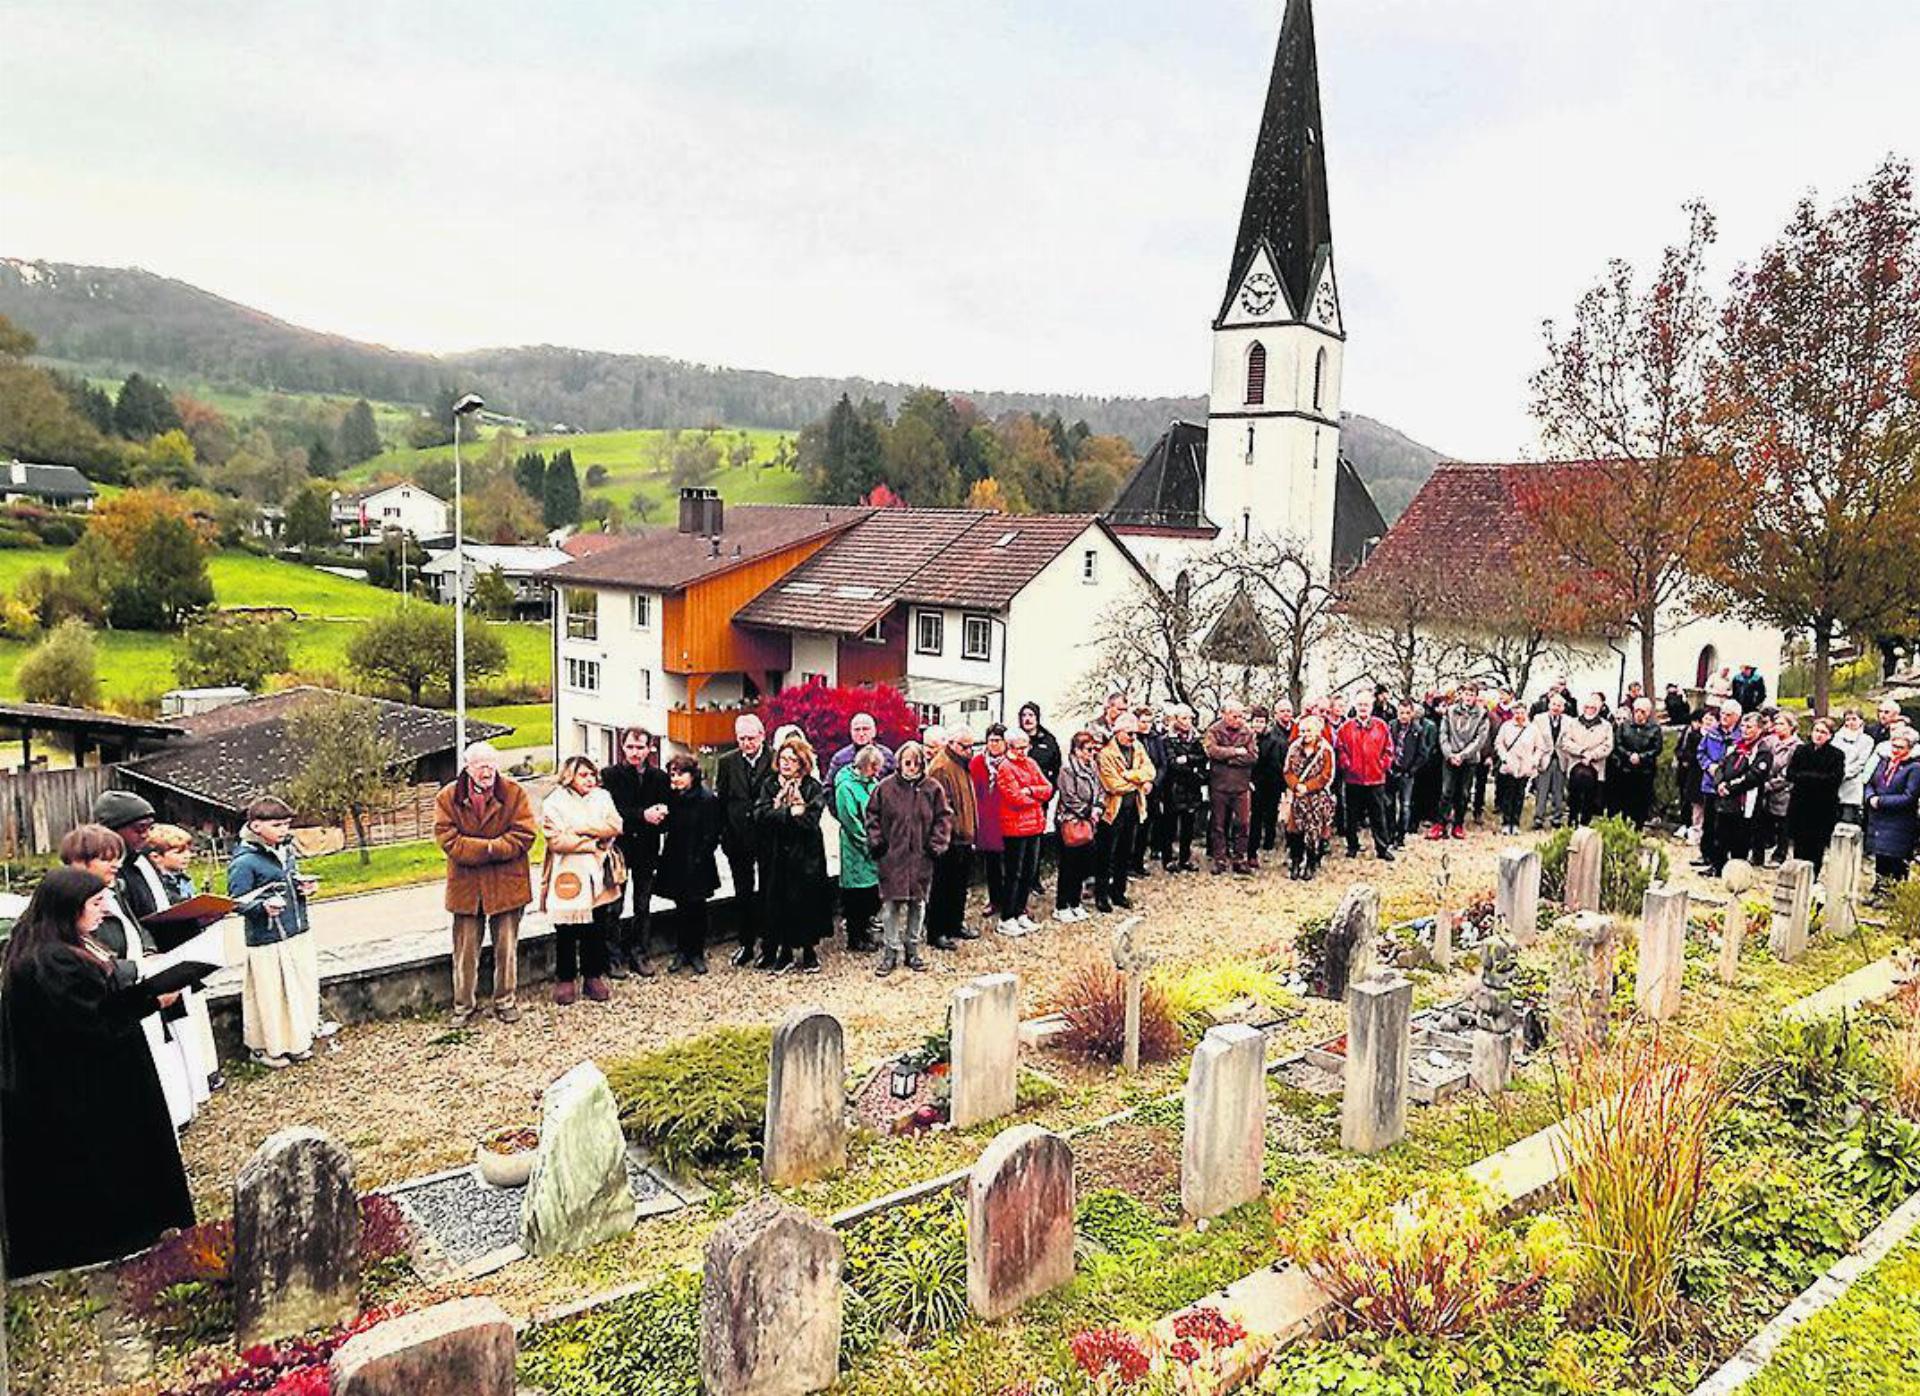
column 404, row 506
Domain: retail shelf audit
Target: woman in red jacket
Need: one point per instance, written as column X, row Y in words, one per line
column 1024, row 792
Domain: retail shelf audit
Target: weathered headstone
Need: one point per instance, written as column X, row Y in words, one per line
column 1133, row 961
column 1019, row 1220
column 1352, row 936
column 1373, row 1108
column 1516, row 897
column 465, row 1347
column 579, row 1194
column 296, row 1237
column 1490, row 1067
column 806, row 1131
column 1733, row 932
column 1663, row 953
column 770, row 1304
column 1443, row 913
column 1580, row 985
column 1226, row 1121
column 986, row 1049
column 1584, row 852
column 1841, row 874
column 1792, row 908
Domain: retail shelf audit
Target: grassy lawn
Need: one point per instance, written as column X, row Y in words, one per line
column 392, row 865
column 244, row 579
column 1866, row 1344
column 532, row 723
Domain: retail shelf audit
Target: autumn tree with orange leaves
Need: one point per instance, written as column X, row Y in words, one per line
column 1819, row 403
column 1624, row 390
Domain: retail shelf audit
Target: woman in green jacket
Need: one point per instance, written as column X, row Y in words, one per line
column 859, row 878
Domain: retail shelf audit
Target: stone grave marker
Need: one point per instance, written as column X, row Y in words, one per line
column 1443, row 916
column 1133, row 961
column 1226, row 1121
column 296, row 1237
column 770, row 1303
column 1580, row 986
column 1020, row 1204
column 578, row 1195
column 1373, row 1107
column 465, row 1347
column 1733, row 932
column 1663, row 953
column 1841, row 875
column 986, row 1049
column 1792, row 908
column 1584, row 852
column 806, row 1130
column 1352, row 937
column 1490, row 1067
column 1516, row 897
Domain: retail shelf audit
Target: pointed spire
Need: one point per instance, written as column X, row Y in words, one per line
column 1286, row 207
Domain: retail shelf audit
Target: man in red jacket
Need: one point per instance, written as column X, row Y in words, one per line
column 1364, row 747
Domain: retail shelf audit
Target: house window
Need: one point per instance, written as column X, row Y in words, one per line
column 642, row 611
column 646, row 685
column 583, row 615
column 813, row 680
column 972, row 706
column 1319, row 378
column 1090, row 566
column 583, row 675
column 875, row 634
column 976, row 638
column 927, row 714
column 929, row 632
column 1256, row 374
column 389, row 513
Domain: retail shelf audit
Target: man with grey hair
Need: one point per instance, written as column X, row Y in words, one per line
column 865, row 732
column 484, row 823
column 738, row 781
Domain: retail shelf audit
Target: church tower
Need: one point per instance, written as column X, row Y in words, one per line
column 1273, row 418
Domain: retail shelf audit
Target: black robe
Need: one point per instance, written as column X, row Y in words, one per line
column 1813, row 804
column 92, row 1168
column 634, row 790
column 793, row 870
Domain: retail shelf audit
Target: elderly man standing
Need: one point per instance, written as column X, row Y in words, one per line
column 865, row 732
column 484, row 822
column 950, row 767
column 1232, row 748
column 739, row 780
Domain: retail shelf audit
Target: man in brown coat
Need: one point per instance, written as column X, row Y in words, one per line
column 1232, row 748
column 946, row 918
column 485, row 823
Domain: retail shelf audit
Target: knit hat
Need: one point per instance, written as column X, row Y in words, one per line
column 118, row 808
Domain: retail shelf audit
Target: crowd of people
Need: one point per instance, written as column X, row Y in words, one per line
column 100, row 1063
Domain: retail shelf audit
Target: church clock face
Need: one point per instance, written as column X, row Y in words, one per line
column 1259, row 294
column 1323, row 309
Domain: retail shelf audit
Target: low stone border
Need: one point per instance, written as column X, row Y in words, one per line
column 1748, row 1363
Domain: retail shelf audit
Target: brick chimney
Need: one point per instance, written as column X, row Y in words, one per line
column 701, row 511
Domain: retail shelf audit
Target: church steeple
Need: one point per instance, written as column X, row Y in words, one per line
column 1286, row 206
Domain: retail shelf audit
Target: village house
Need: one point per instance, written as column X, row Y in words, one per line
column 367, row 514
column 58, row 486
column 523, row 567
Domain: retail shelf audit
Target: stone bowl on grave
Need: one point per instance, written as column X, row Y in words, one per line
column 1739, row 876
column 507, row 1168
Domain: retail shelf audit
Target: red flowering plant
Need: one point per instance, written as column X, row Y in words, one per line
column 295, row 1367
column 1112, row 1359
column 822, row 714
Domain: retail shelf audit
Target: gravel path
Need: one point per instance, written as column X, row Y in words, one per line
column 409, row 1098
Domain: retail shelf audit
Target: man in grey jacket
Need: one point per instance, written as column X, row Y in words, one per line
column 1463, row 746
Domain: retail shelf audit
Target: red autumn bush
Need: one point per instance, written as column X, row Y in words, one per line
column 823, row 712
column 1094, row 1002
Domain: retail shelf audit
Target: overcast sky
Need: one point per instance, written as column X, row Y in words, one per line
column 988, row 194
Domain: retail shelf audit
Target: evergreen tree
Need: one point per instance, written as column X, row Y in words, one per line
column 143, row 409
column 320, row 459
column 359, row 437
column 560, row 502
column 530, row 473
column 853, row 458
column 310, row 518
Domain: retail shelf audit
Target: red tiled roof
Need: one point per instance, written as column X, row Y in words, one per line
column 1464, row 535
column 664, row 559
column 985, row 569
column 587, row 544
column 854, row 581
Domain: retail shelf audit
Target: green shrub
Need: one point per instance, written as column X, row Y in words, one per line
column 1817, row 1072
column 697, row 1102
column 1624, row 874
column 908, row 1267
column 1781, row 1221
column 1116, row 1220
column 645, row 1345
column 1879, row 1158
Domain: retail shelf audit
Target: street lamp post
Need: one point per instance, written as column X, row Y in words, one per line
column 465, row 407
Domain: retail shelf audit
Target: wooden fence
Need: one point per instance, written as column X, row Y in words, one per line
column 38, row 807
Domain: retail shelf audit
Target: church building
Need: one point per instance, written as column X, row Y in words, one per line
column 1267, row 461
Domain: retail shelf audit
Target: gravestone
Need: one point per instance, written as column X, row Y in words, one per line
column 1580, row 984
column 1584, row 852
column 1133, row 961
column 465, row 1347
column 1373, row 1107
column 1792, row 908
column 1443, row 915
column 1733, row 932
column 1516, row 897
column 578, row 1195
column 1841, row 874
column 1225, row 1111
column 1352, row 936
column 986, row 1049
column 1019, row 1220
column 1663, row 953
column 806, row 1130
column 296, row 1238
column 770, row 1303
column 1490, row 1067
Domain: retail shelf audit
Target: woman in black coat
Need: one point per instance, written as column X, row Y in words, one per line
column 1045, row 748
column 687, row 876
column 1738, row 792
column 639, row 790
column 1814, row 772
column 798, row 897
column 92, row 1168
